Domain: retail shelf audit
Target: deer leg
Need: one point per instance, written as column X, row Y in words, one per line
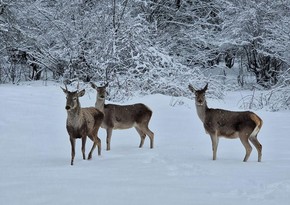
column 258, row 146
column 91, row 152
column 248, row 147
column 151, row 136
column 215, row 142
column 109, row 136
column 97, row 142
column 84, row 139
column 73, row 142
column 99, row 146
column 142, row 136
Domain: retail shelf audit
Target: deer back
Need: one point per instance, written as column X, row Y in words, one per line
column 126, row 116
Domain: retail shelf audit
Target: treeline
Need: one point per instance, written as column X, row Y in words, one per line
column 155, row 46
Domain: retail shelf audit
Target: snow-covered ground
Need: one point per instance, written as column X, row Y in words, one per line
column 35, row 156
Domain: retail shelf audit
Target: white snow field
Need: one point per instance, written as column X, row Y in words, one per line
column 35, row 156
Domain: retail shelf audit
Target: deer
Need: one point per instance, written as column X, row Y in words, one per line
column 229, row 124
column 82, row 122
column 123, row 117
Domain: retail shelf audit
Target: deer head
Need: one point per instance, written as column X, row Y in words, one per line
column 199, row 94
column 72, row 98
column 101, row 90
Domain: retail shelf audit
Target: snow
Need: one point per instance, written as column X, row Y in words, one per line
column 35, row 156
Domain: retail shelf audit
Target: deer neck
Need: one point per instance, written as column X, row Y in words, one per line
column 100, row 104
column 74, row 116
column 201, row 111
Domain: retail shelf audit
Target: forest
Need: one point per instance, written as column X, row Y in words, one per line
column 151, row 46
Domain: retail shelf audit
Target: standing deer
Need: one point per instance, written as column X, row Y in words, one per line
column 123, row 117
column 82, row 122
column 217, row 123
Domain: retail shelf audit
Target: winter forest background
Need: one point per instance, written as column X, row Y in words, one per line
column 151, row 46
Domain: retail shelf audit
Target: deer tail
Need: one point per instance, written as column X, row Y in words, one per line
column 259, row 123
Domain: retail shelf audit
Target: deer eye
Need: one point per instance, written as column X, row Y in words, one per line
column 75, row 98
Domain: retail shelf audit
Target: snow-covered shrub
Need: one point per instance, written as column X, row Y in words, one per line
column 275, row 99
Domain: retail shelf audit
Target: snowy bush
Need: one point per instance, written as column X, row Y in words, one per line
column 275, row 99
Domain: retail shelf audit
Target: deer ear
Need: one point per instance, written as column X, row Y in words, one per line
column 93, row 85
column 190, row 87
column 205, row 87
column 81, row 93
column 106, row 85
column 64, row 90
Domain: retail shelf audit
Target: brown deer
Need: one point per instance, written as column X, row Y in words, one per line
column 123, row 117
column 82, row 122
column 217, row 123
